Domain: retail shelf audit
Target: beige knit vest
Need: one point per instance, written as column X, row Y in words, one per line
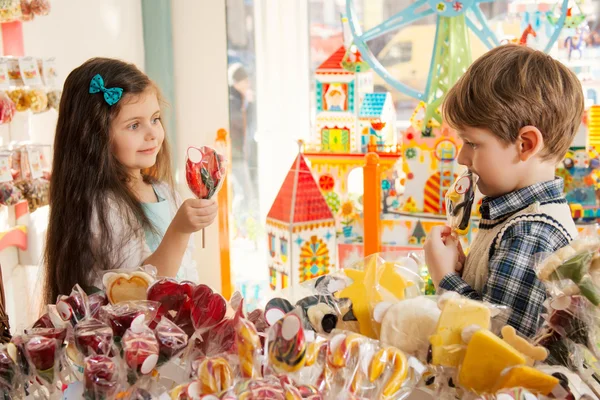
column 475, row 271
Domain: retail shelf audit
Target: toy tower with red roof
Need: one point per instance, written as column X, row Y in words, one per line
column 341, row 84
column 301, row 230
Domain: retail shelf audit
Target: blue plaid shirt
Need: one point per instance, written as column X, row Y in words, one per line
column 512, row 280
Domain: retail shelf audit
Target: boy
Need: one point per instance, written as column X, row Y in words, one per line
column 517, row 111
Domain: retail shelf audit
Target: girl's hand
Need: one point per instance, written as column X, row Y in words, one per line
column 194, row 215
column 441, row 253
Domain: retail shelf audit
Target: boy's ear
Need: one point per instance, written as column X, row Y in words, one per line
column 530, row 142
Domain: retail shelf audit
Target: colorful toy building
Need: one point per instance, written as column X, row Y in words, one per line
column 300, row 229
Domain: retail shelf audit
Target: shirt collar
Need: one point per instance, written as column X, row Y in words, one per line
column 498, row 207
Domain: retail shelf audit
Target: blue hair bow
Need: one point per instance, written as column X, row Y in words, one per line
column 111, row 95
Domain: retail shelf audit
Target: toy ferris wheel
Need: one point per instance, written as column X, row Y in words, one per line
column 451, row 52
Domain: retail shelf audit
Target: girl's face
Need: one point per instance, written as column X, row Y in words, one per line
column 137, row 132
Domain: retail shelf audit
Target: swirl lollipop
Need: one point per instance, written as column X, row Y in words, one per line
column 459, row 202
column 205, row 171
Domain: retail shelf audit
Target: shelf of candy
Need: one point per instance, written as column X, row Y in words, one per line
column 30, row 84
column 23, row 10
column 29, row 176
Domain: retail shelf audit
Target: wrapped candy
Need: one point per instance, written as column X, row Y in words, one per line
column 140, row 348
column 20, row 99
column 43, row 354
column 10, row 10
column 38, row 100
column 7, row 109
column 172, row 340
column 73, row 308
column 10, row 194
column 120, row 317
column 36, row 192
column 93, row 337
column 459, row 202
column 205, row 171
column 96, row 302
column 40, row 7
column 54, row 99
column 248, row 347
column 287, row 344
column 570, row 271
column 101, row 378
column 175, row 300
column 126, row 285
column 26, row 11
column 208, row 307
column 220, row 339
column 9, row 374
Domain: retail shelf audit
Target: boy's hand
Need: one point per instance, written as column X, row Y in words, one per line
column 194, row 215
column 442, row 254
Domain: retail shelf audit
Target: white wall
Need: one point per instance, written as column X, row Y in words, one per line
column 201, row 97
column 73, row 32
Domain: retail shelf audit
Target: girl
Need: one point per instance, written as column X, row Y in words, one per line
column 112, row 202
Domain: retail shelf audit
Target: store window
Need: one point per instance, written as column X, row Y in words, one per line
column 248, row 241
column 405, row 53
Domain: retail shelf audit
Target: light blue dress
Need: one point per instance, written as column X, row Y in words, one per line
column 159, row 214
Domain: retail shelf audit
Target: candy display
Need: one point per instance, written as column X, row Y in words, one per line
column 36, row 192
column 459, row 202
column 181, row 341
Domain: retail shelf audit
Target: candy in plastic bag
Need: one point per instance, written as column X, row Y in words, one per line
column 459, row 202
column 205, row 171
column 101, row 378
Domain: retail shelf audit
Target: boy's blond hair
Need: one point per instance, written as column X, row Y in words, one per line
column 514, row 86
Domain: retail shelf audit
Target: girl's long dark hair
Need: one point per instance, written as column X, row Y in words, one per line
column 86, row 177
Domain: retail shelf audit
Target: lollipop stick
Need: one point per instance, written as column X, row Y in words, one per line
column 203, row 244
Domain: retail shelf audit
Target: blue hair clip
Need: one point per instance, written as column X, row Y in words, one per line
column 111, row 95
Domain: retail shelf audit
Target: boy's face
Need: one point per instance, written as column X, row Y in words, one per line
column 497, row 163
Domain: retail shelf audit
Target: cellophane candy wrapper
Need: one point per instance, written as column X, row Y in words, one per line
column 573, row 270
column 387, row 278
column 7, row 109
column 43, row 355
column 10, row 195
column 141, row 349
column 459, row 201
column 11, row 380
column 205, row 171
column 75, row 307
column 172, row 340
column 101, row 378
column 93, row 337
column 40, row 7
column 572, row 323
column 120, row 316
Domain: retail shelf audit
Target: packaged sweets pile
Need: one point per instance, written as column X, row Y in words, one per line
column 367, row 332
